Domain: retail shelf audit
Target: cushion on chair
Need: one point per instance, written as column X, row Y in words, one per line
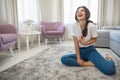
column 53, row 32
column 8, row 37
column 50, row 28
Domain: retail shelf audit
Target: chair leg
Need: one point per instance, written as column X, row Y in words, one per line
column 60, row 40
column 46, row 40
column 11, row 51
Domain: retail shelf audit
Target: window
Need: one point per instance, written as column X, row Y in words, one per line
column 70, row 7
column 27, row 9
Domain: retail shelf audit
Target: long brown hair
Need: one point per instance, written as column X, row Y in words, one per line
column 87, row 14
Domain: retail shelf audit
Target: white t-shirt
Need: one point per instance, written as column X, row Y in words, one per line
column 75, row 30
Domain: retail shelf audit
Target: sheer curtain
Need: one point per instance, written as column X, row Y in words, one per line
column 57, row 10
column 109, row 13
column 8, row 12
column 52, row 10
column 28, row 9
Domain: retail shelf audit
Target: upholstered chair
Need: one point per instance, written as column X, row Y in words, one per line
column 54, row 30
column 8, row 37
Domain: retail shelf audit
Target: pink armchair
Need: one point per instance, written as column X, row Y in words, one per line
column 54, row 30
column 8, row 37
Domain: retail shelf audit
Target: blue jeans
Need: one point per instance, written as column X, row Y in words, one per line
column 91, row 54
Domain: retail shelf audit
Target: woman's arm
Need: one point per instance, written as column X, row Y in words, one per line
column 76, row 43
column 92, row 40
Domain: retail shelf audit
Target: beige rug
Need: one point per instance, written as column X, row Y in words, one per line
column 46, row 65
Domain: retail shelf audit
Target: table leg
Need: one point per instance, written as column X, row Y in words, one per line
column 32, row 40
column 27, row 42
column 38, row 39
column 19, row 44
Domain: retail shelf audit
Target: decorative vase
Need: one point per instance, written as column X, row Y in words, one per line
column 28, row 28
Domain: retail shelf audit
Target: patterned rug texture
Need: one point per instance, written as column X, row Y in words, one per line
column 46, row 65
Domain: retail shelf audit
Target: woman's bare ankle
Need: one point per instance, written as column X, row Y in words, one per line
column 108, row 57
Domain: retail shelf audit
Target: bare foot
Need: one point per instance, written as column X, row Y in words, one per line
column 88, row 63
column 108, row 57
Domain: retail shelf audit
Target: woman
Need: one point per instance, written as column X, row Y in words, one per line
column 84, row 34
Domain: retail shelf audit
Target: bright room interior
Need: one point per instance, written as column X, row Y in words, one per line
column 27, row 18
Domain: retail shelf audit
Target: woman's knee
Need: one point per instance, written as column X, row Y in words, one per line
column 64, row 59
column 109, row 70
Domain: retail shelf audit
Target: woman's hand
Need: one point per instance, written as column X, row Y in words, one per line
column 82, row 40
column 80, row 62
column 91, row 41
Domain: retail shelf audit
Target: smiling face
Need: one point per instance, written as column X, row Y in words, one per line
column 82, row 13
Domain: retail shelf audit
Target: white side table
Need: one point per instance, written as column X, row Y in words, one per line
column 27, row 35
